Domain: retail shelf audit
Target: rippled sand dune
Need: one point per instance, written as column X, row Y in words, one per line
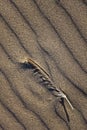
column 54, row 34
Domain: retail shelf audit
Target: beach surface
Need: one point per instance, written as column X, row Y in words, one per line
column 53, row 34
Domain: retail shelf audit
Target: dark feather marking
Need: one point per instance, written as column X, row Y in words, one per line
column 26, row 66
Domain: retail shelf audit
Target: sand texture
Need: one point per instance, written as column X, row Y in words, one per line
column 52, row 33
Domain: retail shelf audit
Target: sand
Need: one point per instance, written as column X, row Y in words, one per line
column 54, row 35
